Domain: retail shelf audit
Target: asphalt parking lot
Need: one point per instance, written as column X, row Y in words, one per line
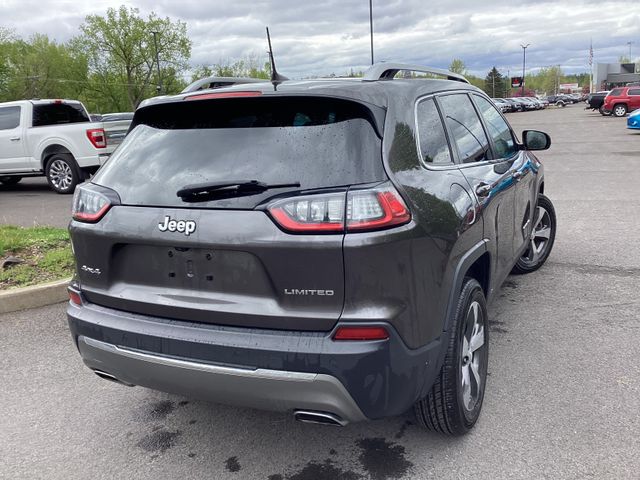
column 563, row 393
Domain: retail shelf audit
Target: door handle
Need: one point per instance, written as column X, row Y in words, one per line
column 14, row 139
column 483, row 190
column 517, row 175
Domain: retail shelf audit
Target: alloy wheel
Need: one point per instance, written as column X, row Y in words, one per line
column 539, row 239
column 472, row 358
column 60, row 174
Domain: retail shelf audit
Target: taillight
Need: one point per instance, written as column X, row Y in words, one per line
column 97, row 137
column 89, row 206
column 360, row 333
column 209, row 96
column 370, row 209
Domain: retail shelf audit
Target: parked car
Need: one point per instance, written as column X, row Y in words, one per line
column 633, row 121
column 595, row 101
column 54, row 138
column 116, row 126
column 525, row 103
column 559, row 100
column 544, row 102
column 503, row 105
column 515, row 106
column 337, row 272
column 537, row 103
column 621, row 100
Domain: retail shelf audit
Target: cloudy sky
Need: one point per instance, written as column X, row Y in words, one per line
column 331, row 36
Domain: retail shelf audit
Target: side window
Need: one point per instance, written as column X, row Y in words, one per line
column 497, row 128
column 634, row 91
column 434, row 147
column 9, row 118
column 465, row 128
column 616, row 92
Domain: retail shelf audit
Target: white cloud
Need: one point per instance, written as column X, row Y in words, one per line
column 314, row 38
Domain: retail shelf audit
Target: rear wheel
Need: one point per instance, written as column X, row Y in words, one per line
column 453, row 405
column 541, row 240
column 63, row 173
column 10, row 180
column 619, row 110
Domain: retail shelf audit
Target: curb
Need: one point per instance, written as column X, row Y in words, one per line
column 34, row 296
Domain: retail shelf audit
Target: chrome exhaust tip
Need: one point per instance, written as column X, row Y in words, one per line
column 322, row 418
column 111, row 378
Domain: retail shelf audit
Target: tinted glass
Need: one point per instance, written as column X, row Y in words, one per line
column 58, row 113
column 498, row 129
column 317, row 142
column 9, row 118
column 634, row 91
column 433, row 141
column 616, row 92
column 465, row 127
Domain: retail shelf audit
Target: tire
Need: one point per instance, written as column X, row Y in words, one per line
column 560, row 104
column 619, row 110
column 62, row 173
column 543, row 235
column 447, row 409
column 10, row 180
column 603, row 111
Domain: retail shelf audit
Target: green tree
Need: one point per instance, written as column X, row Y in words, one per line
column 42, row 68
column 249, row 66
column 458, row 66
column 493, row 83
column 122, row 55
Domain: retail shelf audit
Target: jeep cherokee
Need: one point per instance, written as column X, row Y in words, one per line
column 322, row 247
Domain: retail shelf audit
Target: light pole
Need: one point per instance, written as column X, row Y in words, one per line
column 371, row 27
column 630, row 43
column 155, row 42
column 524, row 63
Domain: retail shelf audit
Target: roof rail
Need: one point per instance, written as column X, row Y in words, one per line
column 386, row 71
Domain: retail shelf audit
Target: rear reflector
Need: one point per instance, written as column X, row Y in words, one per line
column 208, row 96
column 74, row 297
column 361, row 333
column 368, row 209
column 97, row 137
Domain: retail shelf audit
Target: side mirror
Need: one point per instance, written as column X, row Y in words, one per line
column 535, row 140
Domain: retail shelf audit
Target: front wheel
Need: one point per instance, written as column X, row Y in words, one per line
column 453, row 405
column 541, row 239
column 10, row 180
column 619, row 110
column 62, row 173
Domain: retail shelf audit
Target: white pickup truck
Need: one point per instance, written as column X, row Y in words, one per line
column 54, row 138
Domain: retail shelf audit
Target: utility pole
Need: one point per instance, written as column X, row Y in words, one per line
column 155, row 41
column 493, row 77
column 371, row 27
column 630, row 43
column 524, row 63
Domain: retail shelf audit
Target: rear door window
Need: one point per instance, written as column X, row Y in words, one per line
column 9, row 118
column 634, row 91
column 58, row 114
column 498, row 129
column 319, row 142
column 465, row 128
column 434, row 147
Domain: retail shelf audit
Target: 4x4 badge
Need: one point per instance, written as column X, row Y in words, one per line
column 183, row 226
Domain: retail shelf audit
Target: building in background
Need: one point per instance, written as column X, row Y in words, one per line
column 609, row 75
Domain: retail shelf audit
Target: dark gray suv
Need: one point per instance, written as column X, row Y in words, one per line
column 321, row 247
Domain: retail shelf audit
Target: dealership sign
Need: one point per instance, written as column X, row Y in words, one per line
column 516, row 82
column 568, row 86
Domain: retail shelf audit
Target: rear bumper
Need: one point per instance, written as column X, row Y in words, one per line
column 257, row 368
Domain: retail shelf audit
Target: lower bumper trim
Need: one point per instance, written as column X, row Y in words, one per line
column 260, row 388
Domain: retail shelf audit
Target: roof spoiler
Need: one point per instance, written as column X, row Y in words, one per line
column 386, row 71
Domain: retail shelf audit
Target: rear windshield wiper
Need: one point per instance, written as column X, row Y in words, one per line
column 202, row 192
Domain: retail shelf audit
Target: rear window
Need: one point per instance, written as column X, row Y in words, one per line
column 634, row 91
column 58, row 114
column 318, row 142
